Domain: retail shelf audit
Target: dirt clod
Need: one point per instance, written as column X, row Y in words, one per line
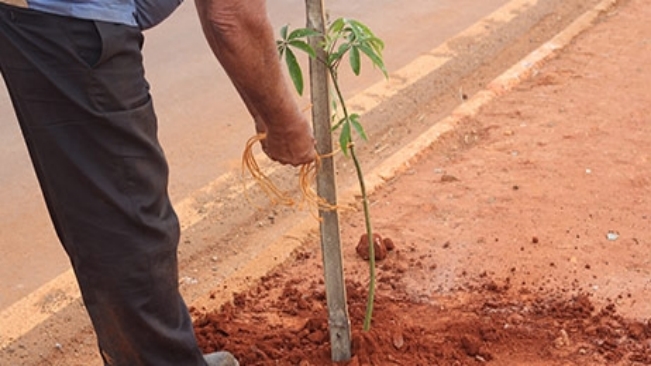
column 378, row 245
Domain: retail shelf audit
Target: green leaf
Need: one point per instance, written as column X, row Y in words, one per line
column 354, row 60
column 337, row 26
column 303, row 46
column 335, row 109
column 302, row 33
column 356, row 30
column 294, row 70
column 361, row 28
column 283, row 32
column 354, row 120
column 344, row 138
column 375, row 58
column 343, row 48
column 377, row 44
column 332, row 57
column 350, row 36
column 333, row 34
column 281, row 45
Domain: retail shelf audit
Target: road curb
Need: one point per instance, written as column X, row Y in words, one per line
column 281, row 250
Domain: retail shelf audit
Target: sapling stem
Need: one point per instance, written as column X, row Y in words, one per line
column 367, row 214
column 371, row 248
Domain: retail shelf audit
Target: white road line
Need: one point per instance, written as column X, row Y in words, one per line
column 433, row 60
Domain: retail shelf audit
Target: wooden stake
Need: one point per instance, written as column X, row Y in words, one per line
column 338, row 320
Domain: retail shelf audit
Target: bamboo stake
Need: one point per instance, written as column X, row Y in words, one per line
column 338, row 320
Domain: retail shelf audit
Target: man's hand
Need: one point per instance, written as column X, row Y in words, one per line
column 292, row 144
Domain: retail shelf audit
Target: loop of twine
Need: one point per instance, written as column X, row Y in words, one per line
column 307, row 176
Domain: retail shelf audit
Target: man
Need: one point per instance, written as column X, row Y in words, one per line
column 75, row 75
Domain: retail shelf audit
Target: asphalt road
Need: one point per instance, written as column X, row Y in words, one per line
column 203, row 124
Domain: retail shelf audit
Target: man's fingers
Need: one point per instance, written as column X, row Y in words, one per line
column 289, row 158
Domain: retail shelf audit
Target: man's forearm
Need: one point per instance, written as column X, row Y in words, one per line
column 241, row 37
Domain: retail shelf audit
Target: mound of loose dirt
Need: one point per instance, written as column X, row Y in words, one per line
column 283, row 321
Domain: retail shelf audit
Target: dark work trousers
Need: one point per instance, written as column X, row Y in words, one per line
column 79, row 92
